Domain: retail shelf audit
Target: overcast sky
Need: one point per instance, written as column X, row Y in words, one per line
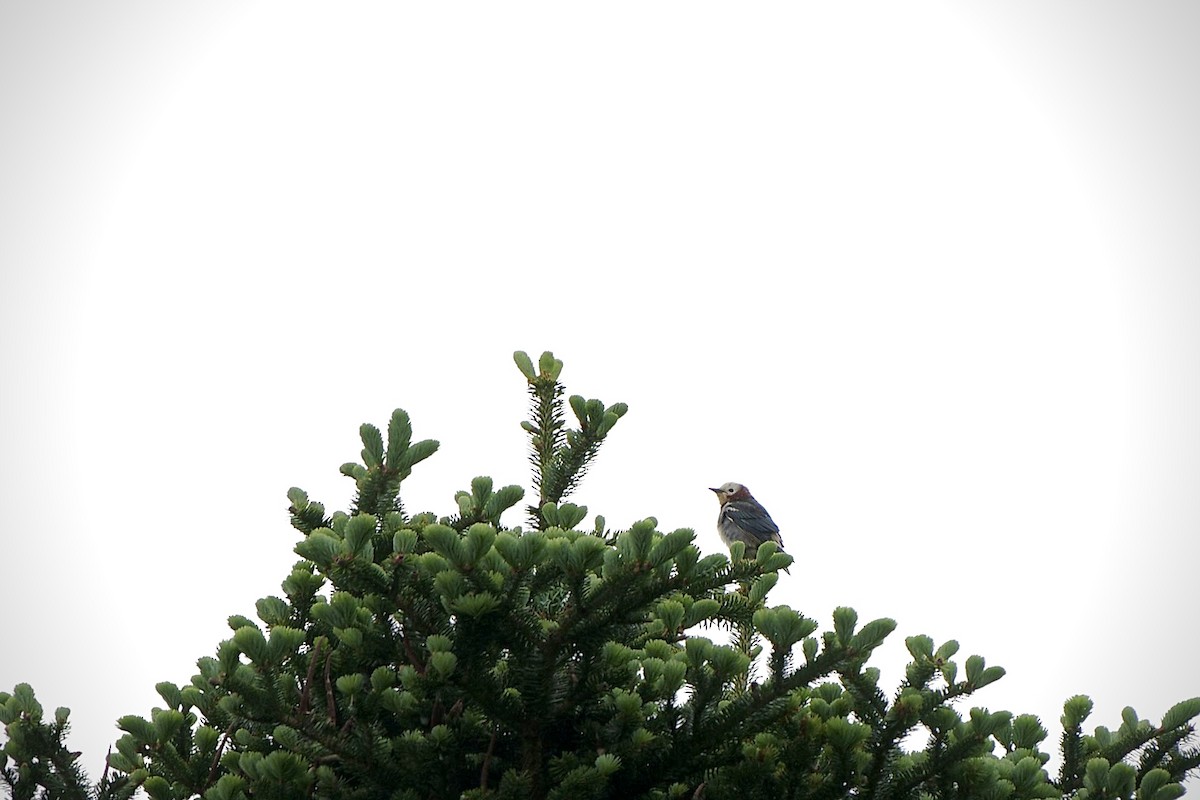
column 925, row 278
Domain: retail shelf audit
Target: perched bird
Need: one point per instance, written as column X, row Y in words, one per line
column 743, row 519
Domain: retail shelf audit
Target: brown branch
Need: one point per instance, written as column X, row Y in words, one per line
column 330, row 704
column 409, row 652
column 104, row 775
column 308, row 678
column 487, row 761
column 435, row 715
column 212, row 772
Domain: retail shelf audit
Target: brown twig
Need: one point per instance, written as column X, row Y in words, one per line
column 212, row 772
column 487, row 761
column 308, row 678
column 435, row 714
column 330, row 704
column 409, row 652
column 104, row 775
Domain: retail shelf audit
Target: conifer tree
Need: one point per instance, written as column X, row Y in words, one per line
column 417, row 656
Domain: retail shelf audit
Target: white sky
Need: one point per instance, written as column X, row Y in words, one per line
column 924, row 278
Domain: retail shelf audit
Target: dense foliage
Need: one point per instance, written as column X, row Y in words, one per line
column 416, row 657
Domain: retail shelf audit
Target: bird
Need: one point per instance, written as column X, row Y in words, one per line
column 743, row 519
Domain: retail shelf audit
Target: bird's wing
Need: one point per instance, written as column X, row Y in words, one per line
column 753, row 519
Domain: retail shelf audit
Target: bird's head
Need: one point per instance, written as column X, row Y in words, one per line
column 731, row 491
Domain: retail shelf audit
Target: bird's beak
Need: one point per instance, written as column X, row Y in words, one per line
column 714, row 490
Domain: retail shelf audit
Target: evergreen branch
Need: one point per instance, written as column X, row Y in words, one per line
column 309, row 520
column 883, row 745
column 743, row 641
column 62, row 777
column 419, row 610
column 744, row 713
column 1165, row 751
column 1074, row 751
column 559, row 457
column 42, row 761
column 618, row 599
column 704, row 690
column 619, row 595
column 569, row 465
column 546, row 438
column 1181, row 764
column 938, row 766
column 1126, row 744
column 839, row 778
column 1163, row 747
column 871, row 705
column 1070, row 776
column 378, row 492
